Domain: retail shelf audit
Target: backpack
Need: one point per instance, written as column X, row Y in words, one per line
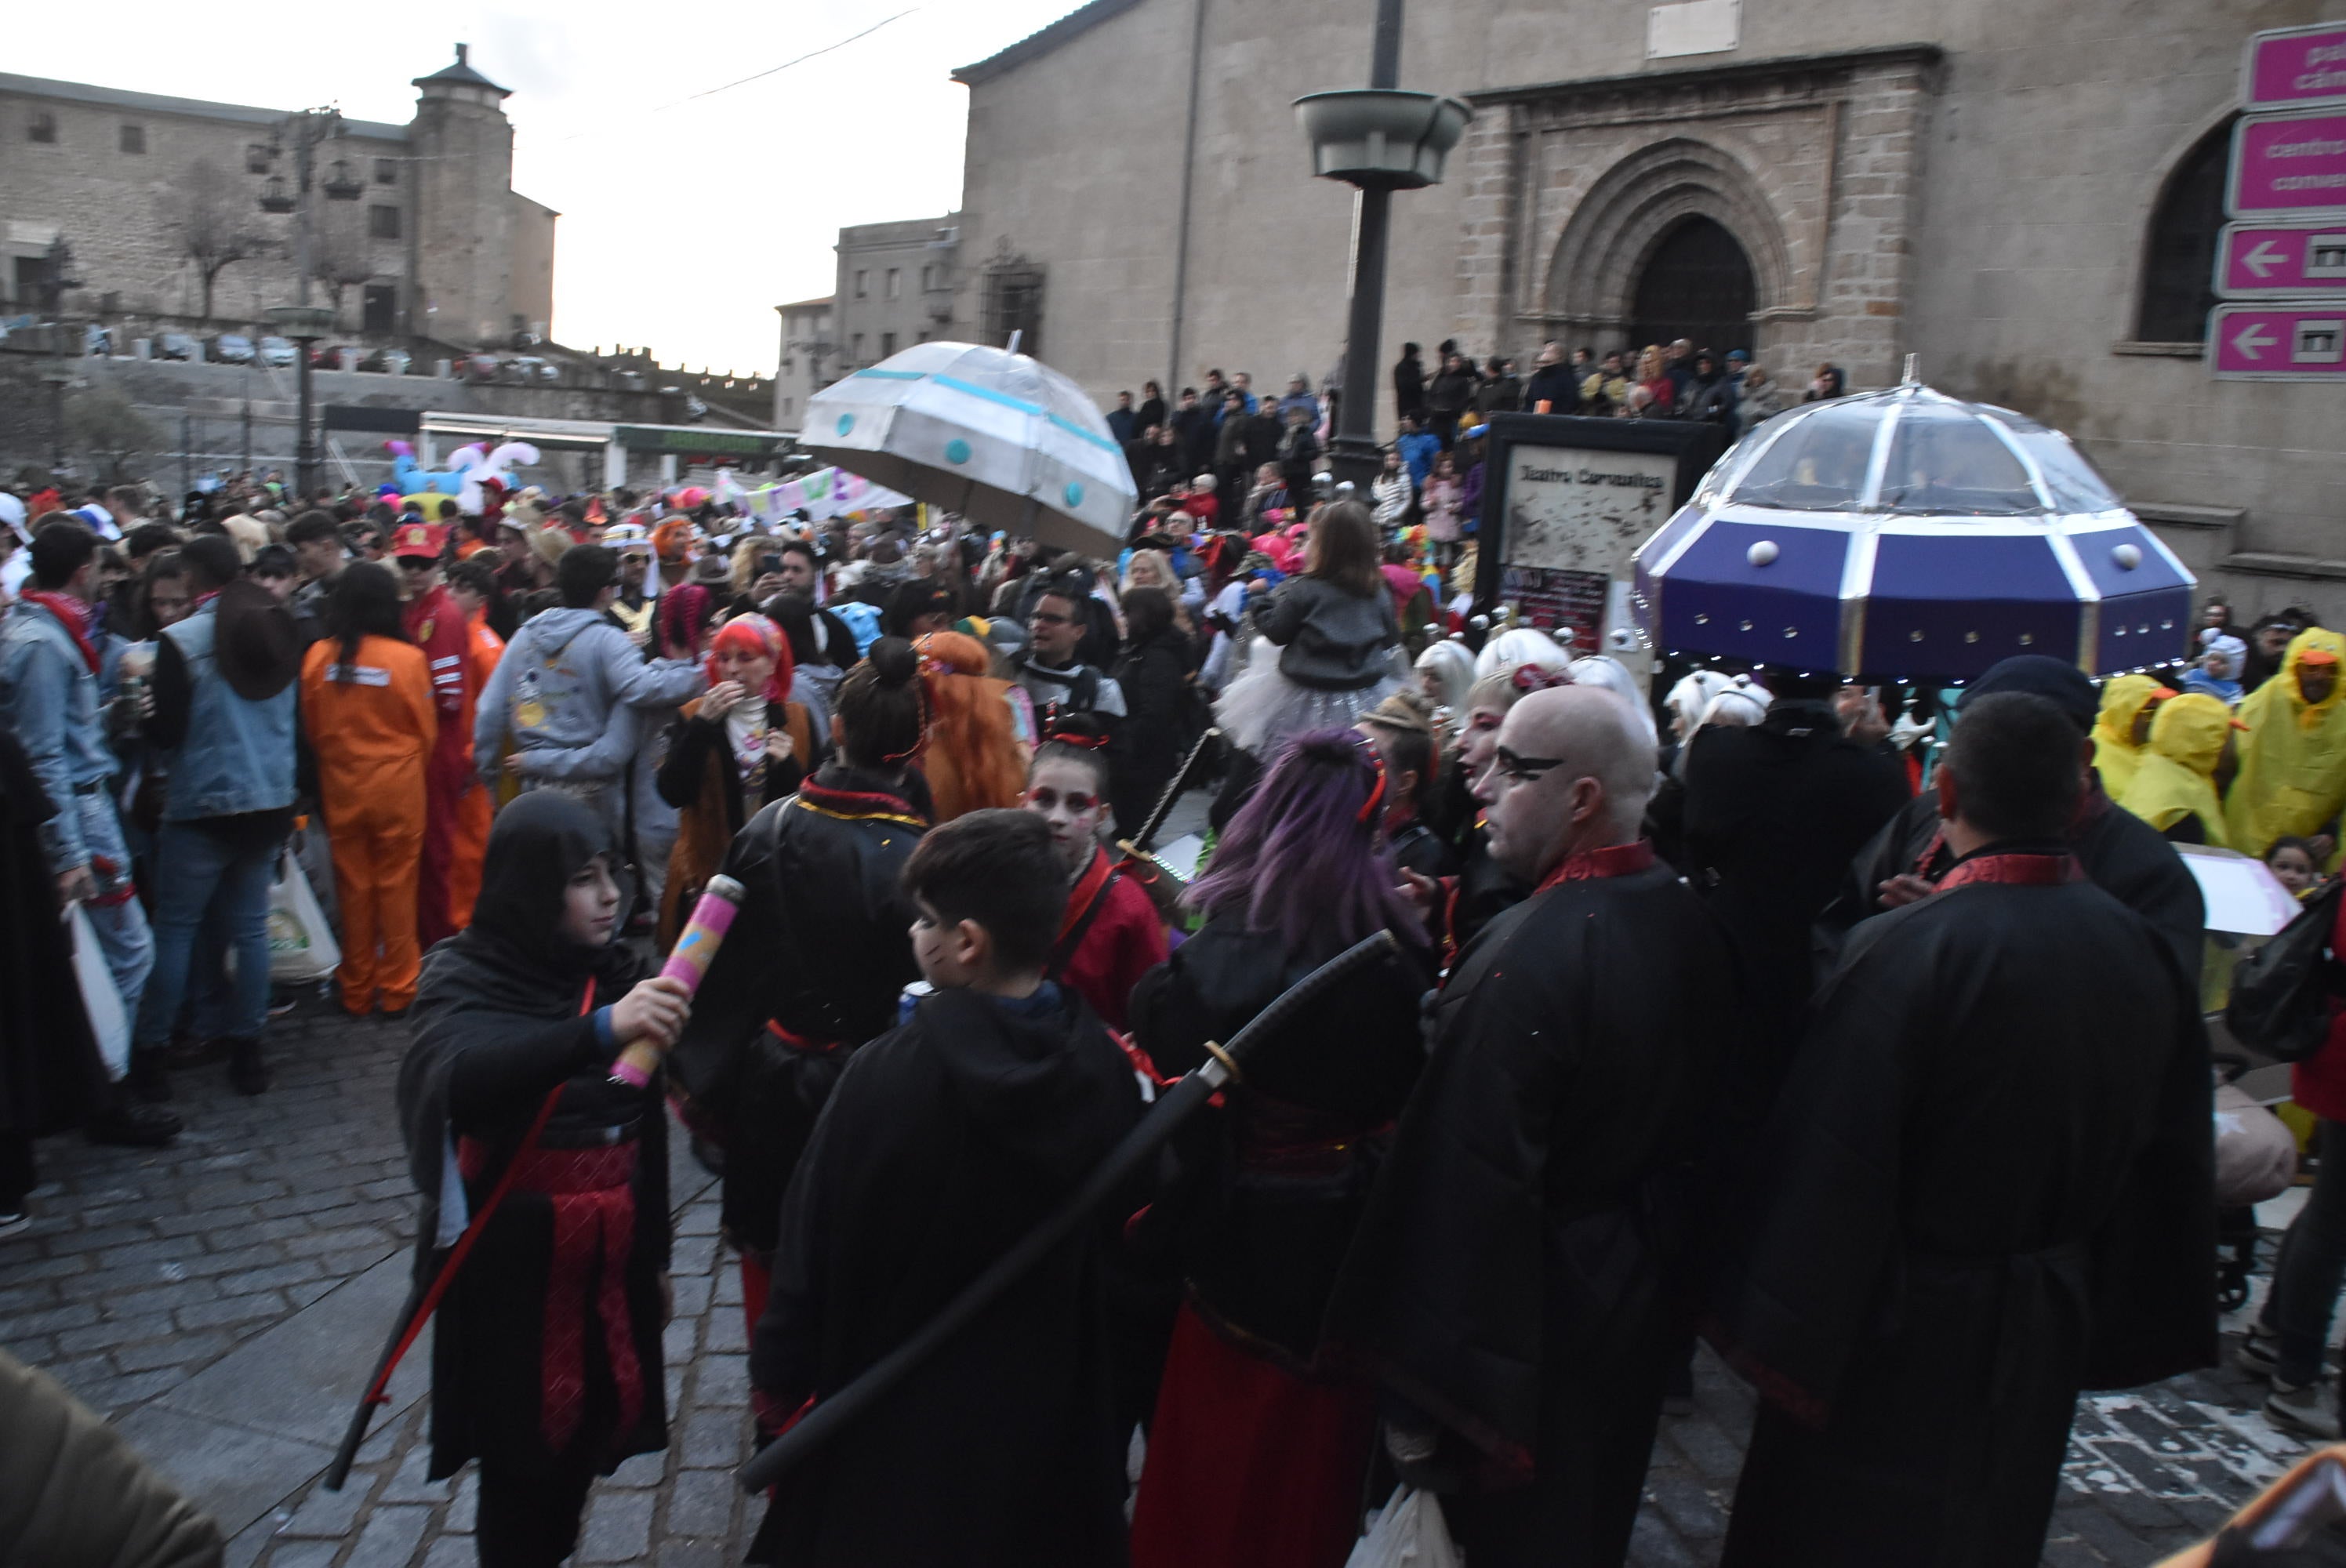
column 2281, row 992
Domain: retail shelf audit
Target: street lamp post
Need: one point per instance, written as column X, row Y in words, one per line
column 56, row 378
column 304, row 323
column 1378, row 140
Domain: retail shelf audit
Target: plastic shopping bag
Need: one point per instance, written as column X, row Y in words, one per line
column 301, row 945
column 1410, row 1533
column 100, row 999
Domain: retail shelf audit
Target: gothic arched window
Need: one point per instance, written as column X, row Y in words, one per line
column 2180, row 253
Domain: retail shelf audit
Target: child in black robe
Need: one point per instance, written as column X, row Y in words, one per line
column 546, row 1361
column 945, row 1142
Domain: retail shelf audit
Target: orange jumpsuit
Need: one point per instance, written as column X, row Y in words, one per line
column 435, row 625
column 373, row 735
column 473, row 815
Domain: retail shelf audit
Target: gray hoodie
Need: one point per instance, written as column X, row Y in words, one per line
column 566, row 691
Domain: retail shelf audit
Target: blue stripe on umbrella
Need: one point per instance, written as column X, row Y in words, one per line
column 1003, row 399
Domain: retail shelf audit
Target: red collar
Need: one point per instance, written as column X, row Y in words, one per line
column 1613, row 860
column 72, row 615
column 2013, row 869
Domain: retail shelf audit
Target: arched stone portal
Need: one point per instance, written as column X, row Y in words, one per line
column 1695, row 283
column 1679, row 231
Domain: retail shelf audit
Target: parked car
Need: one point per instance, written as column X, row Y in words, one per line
column 233, row 349
column 282, row 352
column 328, row 356
column 97, row 341
column 478, row 367
column 388, row 362
column 177, row 346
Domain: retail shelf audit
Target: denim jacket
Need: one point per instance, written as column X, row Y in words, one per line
column 49, row 701
column 238, row 756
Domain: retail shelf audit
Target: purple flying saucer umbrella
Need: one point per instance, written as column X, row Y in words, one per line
column 1907, row 534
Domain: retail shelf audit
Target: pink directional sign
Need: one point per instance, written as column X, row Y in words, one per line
column 2278, row 260
column 2295, row 68
column 2269, row 342
column 2287, row 165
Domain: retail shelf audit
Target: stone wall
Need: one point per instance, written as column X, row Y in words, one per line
column 124, row 214
column 1989, row 211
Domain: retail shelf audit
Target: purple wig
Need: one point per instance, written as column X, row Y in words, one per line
column 1297, row 862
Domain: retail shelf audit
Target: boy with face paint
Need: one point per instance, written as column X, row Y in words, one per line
column 1110, row 935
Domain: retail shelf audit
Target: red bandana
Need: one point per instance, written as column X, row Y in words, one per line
column 72, row 613
column 1613, row 860
column 2015, row 869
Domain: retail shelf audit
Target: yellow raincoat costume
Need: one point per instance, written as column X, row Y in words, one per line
column 2177, row 776
column 2292, row 778
column 2116, row 756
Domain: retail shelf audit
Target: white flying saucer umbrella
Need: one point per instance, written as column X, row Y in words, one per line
column 1003, row 440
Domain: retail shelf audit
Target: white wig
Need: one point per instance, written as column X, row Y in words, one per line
column 1453, row 668
column 1520, row 645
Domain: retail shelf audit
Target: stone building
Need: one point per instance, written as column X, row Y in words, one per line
column 147, row 193
column 809, row 359
column 895, row 287
column 2025, row 195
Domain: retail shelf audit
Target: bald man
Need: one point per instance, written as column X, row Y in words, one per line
column 1513, row 1277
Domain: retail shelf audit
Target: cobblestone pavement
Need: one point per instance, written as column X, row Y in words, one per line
column 224, row 1300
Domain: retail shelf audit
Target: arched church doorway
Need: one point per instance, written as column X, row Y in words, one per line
column 1696, row 284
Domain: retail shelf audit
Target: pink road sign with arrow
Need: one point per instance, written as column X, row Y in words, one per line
column 2274, row 260
column 2271, row 343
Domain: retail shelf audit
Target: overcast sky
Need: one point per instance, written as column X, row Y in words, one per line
column 682, row 227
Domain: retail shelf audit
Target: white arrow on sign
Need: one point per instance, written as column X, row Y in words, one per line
column 2252, row 339
column 2262, row 259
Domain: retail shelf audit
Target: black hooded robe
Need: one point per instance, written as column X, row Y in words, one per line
column 1515, row 1276
column 945, row 1142
column 1986, row 1185
column 502, row 1017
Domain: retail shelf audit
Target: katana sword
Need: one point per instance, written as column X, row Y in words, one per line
column 828, row 1418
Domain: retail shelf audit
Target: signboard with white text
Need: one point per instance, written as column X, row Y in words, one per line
column 2281, row 261
column 1566, row 502
column 2295, row 68
column 2306, row 342
column 2288, row 165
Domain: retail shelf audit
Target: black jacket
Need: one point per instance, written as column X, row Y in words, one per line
column 1559, row 384
column 947, row 1140
column 822, row 948
column 1772, row 815
column 1409, row 385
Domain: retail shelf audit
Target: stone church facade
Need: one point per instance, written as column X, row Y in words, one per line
column 2025, row 195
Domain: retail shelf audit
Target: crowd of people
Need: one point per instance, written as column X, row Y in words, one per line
column 1707, row 1016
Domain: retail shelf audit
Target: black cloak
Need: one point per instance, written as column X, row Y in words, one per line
column 502, row 1018
column 946, row 1141
column 1986, row 1185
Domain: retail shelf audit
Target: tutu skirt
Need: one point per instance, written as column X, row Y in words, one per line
column 1261, row 707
